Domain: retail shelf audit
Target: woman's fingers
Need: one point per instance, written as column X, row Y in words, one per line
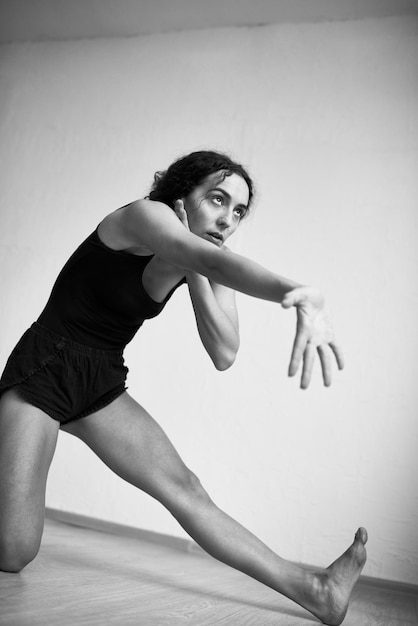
column 325, row 359
column 338, row 354
column 304, row 351
column 308, row 364
column 326, row 363
column 309, row 355
column 180, row 211
column 298, row 350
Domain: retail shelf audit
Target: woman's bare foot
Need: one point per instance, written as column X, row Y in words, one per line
column 333, row 586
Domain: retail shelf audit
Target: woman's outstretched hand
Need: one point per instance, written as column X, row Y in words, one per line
column 314, row 333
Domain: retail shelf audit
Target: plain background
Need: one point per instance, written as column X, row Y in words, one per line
column 325, row 117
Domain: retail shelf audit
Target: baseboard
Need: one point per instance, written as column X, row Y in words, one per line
column 188, row 545
column 85, row 521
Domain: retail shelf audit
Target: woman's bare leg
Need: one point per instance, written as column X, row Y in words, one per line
column 27, row 443
column 132, row 444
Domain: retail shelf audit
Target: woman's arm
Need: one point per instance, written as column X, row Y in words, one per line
column 155, row 226
column 215, row 311
column 214, row 307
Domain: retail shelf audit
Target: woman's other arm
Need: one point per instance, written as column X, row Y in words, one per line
column 215, row 311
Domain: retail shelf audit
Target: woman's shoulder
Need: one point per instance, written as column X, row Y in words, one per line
column 114, row 229
column 147, row 227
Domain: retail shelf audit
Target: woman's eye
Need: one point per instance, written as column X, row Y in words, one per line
column 218, row 199
column 240, row 212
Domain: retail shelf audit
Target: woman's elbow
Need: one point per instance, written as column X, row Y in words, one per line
column 224, row 359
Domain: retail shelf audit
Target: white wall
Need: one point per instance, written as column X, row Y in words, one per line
column 324, row 115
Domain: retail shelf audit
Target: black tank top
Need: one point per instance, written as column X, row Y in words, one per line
column 98, row 298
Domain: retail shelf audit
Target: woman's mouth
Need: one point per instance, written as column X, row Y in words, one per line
column 216, row 238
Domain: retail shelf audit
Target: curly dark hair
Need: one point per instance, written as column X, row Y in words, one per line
column 189, row 171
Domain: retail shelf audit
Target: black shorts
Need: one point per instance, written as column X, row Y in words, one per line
column 65, row 379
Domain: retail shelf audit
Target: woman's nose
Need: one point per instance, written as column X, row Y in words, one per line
column 225, row 218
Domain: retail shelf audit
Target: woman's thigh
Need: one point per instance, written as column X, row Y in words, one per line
column 27, row 443
column 135, row 447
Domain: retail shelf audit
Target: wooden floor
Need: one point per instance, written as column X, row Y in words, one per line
column 83, row 576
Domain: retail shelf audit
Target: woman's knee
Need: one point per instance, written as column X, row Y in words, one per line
column 195, row 487
column 187, row 488
column 16, row 553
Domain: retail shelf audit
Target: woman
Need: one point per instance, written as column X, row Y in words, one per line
column 67, row 371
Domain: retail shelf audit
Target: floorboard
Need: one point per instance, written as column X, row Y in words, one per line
column 86, row 577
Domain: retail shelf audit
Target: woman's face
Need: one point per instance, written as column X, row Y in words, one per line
column 215, row 207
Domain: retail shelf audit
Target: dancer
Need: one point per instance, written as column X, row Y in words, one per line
column 68, row 372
